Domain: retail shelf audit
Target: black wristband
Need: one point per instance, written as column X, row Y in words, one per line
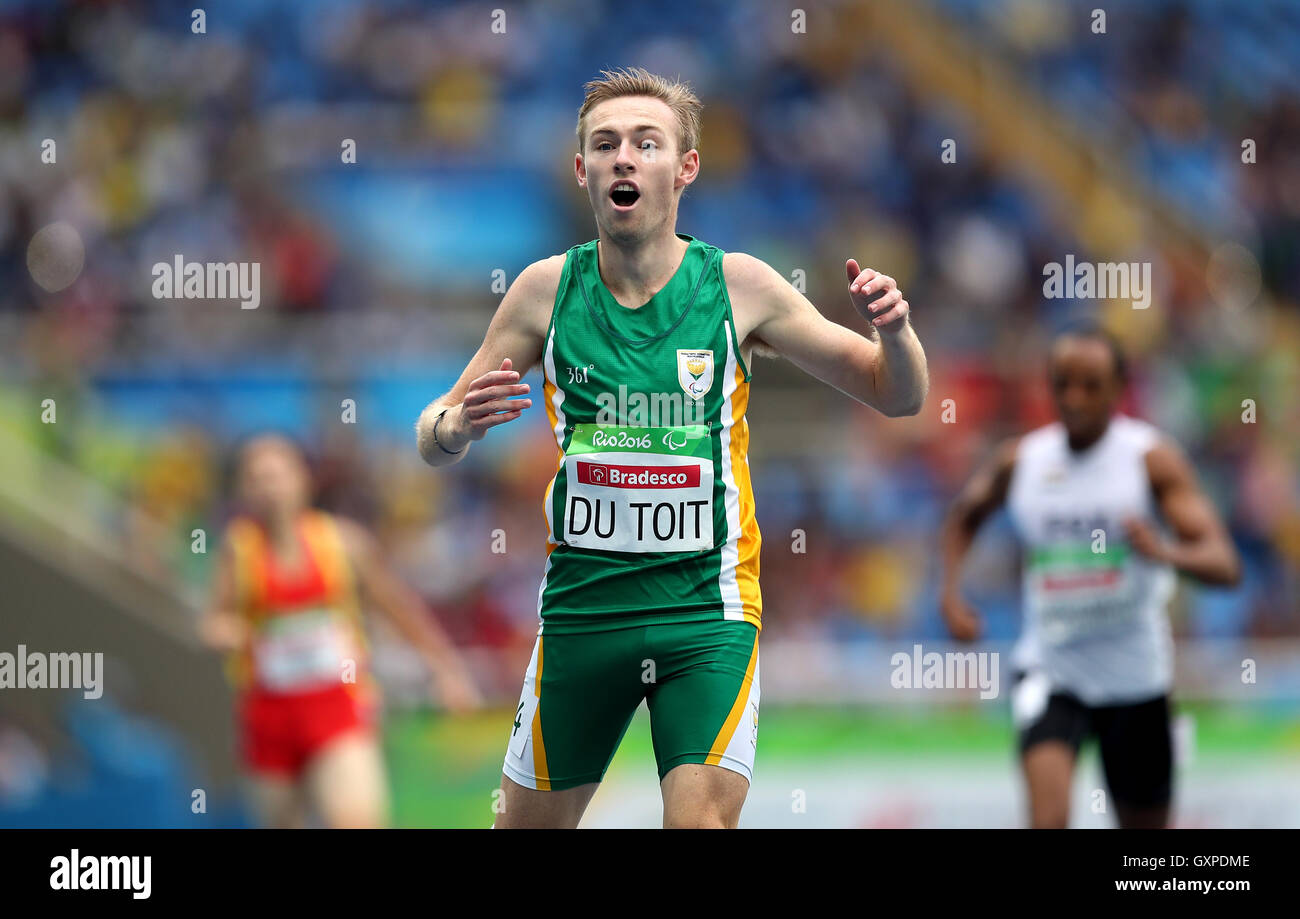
column 435, row 436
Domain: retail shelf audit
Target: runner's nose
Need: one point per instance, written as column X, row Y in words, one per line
column 625, row 162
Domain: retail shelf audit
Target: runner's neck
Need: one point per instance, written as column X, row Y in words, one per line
column 284, row 539
column 634, row 275
column 1079, row 448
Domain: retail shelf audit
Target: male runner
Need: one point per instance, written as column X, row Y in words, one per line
column 650, row 590
column 286, row 605
column 1095, row 654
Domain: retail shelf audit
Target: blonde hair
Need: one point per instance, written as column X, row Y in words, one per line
column 637, row 81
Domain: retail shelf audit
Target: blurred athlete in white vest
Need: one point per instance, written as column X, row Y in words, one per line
column 1108, row 510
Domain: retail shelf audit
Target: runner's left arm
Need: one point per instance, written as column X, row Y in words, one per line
column 886, row 371
column 1201, row 547
column 404, row 608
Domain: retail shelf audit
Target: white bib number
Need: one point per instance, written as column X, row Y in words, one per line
column 639, row 489
column 1079, row 601
column 302, row 650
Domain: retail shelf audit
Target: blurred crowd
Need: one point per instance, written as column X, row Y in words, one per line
column 377, row 275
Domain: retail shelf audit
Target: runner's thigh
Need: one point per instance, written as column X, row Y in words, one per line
column 579, row 695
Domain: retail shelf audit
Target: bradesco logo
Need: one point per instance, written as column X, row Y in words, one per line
column 619, row 476
column 1083, row 579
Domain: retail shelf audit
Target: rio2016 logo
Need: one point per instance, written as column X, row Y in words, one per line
column 620, row 439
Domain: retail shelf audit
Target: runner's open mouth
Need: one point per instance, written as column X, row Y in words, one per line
column 624, row 195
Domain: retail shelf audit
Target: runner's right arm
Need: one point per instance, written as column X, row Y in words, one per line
column 222, row 628
column 483, row 396
column 983, row 494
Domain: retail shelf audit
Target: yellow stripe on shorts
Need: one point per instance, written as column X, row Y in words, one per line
column 539, row 748
column 737, row 709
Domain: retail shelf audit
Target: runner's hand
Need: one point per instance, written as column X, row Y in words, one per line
column 487, row 402
column 964, row 623
column 223, row 631
column 457, row 694
column 877, row 298
column 1145, row 540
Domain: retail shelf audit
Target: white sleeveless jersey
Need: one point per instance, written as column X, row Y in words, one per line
column 1095, row 623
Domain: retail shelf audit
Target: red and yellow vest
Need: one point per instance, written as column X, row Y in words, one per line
column 305, row 625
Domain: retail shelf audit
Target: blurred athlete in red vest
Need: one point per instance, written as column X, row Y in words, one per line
column 286, row 604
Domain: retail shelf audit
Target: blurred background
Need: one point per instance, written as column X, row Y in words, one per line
column 1171, row 137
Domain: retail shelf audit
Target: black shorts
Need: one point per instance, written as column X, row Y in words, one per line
column 1135, row 739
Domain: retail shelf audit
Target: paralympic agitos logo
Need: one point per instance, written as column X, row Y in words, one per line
column 670, row 440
